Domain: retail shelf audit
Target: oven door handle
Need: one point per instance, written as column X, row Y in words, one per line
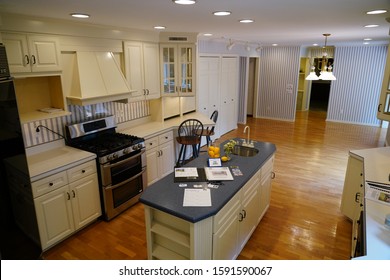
column 123, row 161
column 128, row 180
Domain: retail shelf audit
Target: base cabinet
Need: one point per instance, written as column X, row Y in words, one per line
column 221, row 236
column 65, row 202
column 159, row 156
column 352, row 202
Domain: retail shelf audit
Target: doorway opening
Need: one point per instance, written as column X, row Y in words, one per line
column 319, row 95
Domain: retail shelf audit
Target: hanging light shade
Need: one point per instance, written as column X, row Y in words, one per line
column 326, row 68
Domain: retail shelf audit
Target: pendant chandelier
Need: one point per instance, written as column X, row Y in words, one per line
column 324, row 66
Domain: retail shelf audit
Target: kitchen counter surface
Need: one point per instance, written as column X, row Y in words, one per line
column 167, row 196
column 376, row 169
column 50, row 161
column 150, row 129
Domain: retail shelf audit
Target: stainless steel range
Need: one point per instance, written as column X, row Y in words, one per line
column 121, row 161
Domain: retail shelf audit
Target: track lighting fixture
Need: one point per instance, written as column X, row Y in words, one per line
column 230, row 45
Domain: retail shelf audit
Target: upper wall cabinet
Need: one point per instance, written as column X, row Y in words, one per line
column 32, row 53
column 384, row 101
column 178, row 69
column 142, row 70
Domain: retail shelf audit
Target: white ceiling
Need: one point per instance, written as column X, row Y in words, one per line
column 285, row 22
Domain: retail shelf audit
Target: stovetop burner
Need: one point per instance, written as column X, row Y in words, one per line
column 107, row 143
column 99, row 136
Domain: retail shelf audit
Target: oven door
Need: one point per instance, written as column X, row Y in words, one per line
column 118, row 198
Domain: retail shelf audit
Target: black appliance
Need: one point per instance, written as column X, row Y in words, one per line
column 121, row 161
column 14, row 243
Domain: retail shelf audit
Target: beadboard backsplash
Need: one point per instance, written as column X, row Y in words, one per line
column 123, row 113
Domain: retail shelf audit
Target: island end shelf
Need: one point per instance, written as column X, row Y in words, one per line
column 216, row 232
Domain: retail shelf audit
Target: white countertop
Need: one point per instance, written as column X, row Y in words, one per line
column 376, row 169
column 58, row 158
column 376, row 164
column 150, row 129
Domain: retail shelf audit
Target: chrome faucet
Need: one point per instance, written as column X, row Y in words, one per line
column 249, row 131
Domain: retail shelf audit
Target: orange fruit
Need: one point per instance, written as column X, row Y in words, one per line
column 216, row 150
column 211, row 154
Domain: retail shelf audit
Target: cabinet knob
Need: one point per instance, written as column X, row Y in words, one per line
column 51, row 184
column 273, row 175
column 83, row 171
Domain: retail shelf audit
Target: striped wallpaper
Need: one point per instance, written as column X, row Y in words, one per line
column 123, row 111
column 279, row 71
column 354, row 96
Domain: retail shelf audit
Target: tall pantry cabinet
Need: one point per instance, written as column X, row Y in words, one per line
column 218, row 90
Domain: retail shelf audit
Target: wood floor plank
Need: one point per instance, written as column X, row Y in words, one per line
column 304, row 220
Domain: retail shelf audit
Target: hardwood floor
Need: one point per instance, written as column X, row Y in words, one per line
column 303, row 222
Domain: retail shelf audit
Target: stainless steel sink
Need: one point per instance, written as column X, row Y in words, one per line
column 244, row 151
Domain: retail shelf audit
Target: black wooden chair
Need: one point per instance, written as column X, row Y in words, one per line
column 188, row 136
column 209, row 131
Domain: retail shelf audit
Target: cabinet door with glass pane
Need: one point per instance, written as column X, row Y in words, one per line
column 178, row 69
column 384, row 101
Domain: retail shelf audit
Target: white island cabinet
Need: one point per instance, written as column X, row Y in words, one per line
column 174, row 231
column 370, row 238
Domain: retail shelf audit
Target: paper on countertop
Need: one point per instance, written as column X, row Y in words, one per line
column 197, row 198
column 186, row 172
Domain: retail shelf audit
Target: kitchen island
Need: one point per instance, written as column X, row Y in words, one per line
column 218, row 231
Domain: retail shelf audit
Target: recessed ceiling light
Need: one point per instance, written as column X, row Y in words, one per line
column 366, row 43
column 274, row 45
column 222, row 13
column 376, row 12
column 246, row 20
column 371, row 25
column 207, row 34
column 315, row 44
column 79, row 15
column 184, row 2
column 159, row 27
column 367, row 39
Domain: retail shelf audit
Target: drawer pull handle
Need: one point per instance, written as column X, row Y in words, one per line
column 273, row 175
column 27, row 59
column 241, row 217
column 73, row 193
column 244, row 213
column 68, row 195
column 357, row 197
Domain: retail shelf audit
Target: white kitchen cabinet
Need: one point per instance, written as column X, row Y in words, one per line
column 177, row 69
column 267, row 175
column 229, row 98
column 236, row 221
column 142, row 69
column 353, row 191
column 32, row 53
column 65, row 202
column 218, row 90
column 352, row 202
column 160, row 157
column 209, row 93
column 384, row 100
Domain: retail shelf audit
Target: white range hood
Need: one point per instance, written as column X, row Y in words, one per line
column 96, row 77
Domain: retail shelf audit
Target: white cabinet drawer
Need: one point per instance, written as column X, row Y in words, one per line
column 151, row 143
column 81, row 171
column 49, row 183
column 165, row 137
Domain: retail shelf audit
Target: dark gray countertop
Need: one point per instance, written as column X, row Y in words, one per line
column 167, row 196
